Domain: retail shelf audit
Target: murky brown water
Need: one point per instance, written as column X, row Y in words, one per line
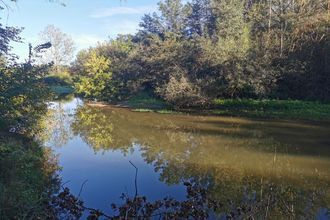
column 224, row 154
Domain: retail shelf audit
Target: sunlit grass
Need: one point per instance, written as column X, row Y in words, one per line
column 273, row 108
column 144, row 100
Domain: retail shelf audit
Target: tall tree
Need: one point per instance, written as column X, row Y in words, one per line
column 62, row 50
column 199, row 18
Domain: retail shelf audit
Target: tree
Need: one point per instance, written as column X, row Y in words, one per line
column 62, row 50
column 95, row 79
column 7, row 34
column 198, row 20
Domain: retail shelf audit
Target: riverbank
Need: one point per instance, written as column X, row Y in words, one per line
column 276, row 109
column 27, row 178
column 272, row 109
column 252, row 108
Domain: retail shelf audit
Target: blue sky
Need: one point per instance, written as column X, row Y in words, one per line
column 87, row 21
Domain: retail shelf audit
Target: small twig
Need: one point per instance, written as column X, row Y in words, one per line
column 62, row 186
column 136, row 174
column 81, row 188
column 267, row 207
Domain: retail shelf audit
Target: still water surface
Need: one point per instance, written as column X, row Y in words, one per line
column 223, row 154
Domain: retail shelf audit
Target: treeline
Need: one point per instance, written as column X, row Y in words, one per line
column 189, row 54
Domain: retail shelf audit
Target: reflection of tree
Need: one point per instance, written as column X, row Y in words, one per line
column 223, row 156
column 94, row 127
column 56, row 123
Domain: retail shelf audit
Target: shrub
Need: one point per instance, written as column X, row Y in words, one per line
column 181, row 91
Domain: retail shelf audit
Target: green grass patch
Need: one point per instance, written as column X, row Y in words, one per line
column 160, row 111
column 166, row 111
column 293, row 109
column 144, row 100
column 142, row 110
column 59, row 90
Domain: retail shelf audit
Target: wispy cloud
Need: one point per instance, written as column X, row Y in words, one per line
column 108, row 12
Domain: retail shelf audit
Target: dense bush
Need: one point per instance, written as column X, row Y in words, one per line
column 181, row 92
column 95, row 80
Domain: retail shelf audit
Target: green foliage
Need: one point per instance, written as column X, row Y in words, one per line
column 95, row 79
column 180, row 91
column 22, row 96
column 27, row 178
column 145, row 100
column 27, row 171
column 190, row 53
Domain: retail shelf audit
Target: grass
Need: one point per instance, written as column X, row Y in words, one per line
column 60, row 90
column 288, row 109
column 278, row 109
column 160, row 111
column 144, row 101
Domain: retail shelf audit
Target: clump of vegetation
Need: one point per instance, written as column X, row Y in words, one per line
column 96, row 79
column 181, row 92
column 27, row 178
column 22, row 96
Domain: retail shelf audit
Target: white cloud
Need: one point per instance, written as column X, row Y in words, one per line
column 108, row 12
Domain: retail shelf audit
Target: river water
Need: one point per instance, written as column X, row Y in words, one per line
column 226, row 155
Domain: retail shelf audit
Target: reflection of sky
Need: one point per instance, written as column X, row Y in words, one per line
column 86, row 21
column 109, row 173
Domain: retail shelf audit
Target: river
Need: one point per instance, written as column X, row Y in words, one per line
column 226, row 155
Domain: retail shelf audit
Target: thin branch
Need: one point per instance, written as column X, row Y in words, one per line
column 136, row 174
column 62, row 186
column 81, row 188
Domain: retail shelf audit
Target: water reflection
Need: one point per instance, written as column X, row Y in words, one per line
column 225, row 155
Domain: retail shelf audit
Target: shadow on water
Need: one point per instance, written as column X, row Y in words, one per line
column 227, row 157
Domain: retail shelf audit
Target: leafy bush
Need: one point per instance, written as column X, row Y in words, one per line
column 27, row 178
column 22, row 95
column 95, row 79
column 181, row 92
